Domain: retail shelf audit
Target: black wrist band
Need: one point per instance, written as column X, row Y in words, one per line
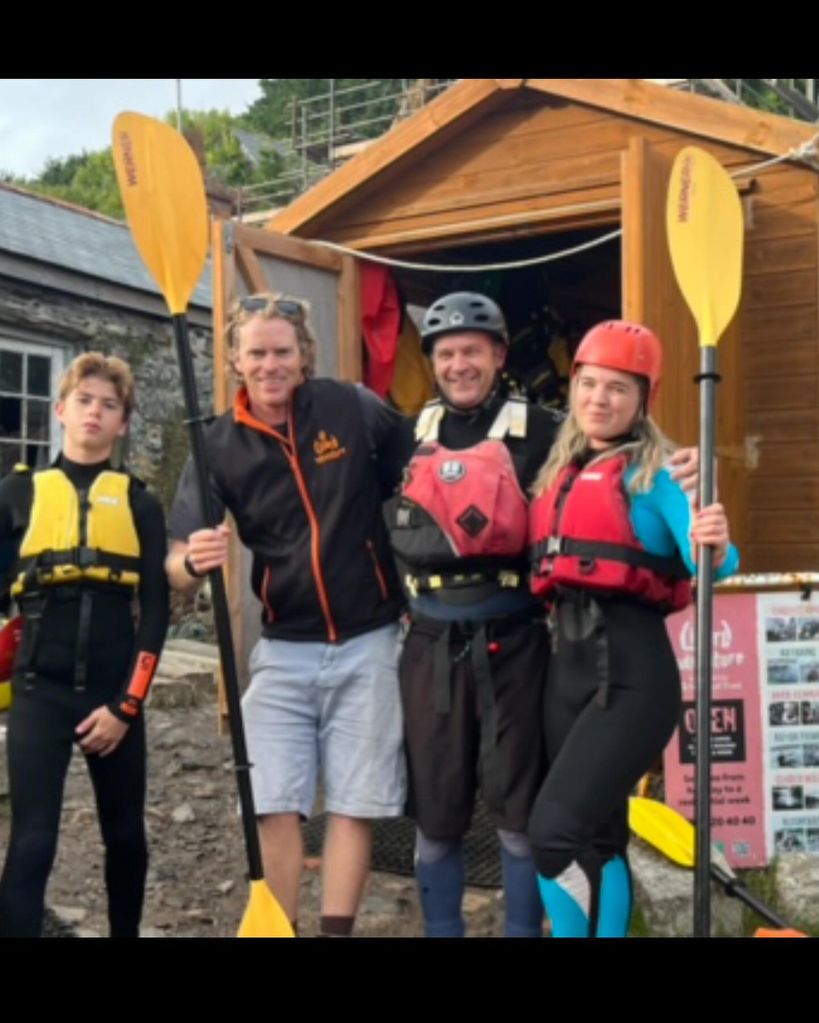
column 189, row 568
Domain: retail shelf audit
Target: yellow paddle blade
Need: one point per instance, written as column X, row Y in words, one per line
column 705, row 234
column 164, row 198
column 264, row 917
column 663, row 828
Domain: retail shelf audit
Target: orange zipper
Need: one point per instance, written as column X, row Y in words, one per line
column 314, row 528
column 288, row 444
column 382, row 585
column 265, row 583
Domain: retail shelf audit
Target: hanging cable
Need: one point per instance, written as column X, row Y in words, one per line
column 481, row 268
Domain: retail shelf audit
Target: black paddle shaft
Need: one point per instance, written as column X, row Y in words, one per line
column 707, row 380
column 733, row 886
column 220, row 605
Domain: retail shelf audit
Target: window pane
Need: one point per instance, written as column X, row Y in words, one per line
column 11, row 372
column 37, row 456
column 9, row 456
column 39, row 375
column 37, row 419
column 10, row 416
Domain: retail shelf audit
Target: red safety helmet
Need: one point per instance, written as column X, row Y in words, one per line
column 628, row 347
column 10, row 636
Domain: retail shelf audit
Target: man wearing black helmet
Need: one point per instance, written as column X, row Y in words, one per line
column 472, row 665
column 474, row 659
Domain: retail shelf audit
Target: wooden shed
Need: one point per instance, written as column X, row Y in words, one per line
column 498, row 170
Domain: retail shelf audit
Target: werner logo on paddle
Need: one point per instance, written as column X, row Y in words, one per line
column 684, row 201
column 128, row 158
column 327, row 448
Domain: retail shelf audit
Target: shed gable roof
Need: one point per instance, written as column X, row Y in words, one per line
column 470, row 99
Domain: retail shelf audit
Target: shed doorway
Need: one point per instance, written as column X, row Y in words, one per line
column 548, row 306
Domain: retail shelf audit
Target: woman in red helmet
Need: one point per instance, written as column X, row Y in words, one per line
column 612, row 548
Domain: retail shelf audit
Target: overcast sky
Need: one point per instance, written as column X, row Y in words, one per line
column 45, row 117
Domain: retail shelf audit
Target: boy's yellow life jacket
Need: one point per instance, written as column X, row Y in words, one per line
column 79, row 537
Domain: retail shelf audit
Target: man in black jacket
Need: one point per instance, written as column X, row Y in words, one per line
column 302, row 465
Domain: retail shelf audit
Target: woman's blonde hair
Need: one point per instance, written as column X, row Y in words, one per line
column 648, row 448
column 107, row 367
column 269, row 306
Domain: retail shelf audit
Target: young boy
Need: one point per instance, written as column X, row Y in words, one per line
column 89, row 539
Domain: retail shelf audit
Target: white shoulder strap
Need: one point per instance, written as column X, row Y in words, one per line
column 510, row 420
column 429, row 421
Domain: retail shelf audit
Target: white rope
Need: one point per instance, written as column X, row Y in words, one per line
column 443, row 268
column 806, row 152
column 765, row 580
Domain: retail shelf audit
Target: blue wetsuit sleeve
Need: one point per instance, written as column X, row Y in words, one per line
column 666, row 501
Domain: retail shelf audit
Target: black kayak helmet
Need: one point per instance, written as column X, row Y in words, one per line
column 462, row 310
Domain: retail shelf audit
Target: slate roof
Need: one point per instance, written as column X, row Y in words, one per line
column 55, row 232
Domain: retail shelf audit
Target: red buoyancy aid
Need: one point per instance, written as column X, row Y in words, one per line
column 473, row 496
column 581, row 536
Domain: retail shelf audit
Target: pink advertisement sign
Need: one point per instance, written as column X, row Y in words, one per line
column 737, row 784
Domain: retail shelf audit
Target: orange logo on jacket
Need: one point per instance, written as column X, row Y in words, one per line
column 327, row 448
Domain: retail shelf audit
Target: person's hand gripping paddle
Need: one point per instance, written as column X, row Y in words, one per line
column 705, row 236
column 164, row 198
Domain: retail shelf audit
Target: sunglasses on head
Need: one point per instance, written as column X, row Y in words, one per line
column 283, row 306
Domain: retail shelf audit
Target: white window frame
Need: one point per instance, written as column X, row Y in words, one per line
column 59, row 359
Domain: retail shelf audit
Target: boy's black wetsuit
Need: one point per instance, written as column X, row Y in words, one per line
column 50, row 697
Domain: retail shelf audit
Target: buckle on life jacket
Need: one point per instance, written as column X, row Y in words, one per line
column 553, row 546
column 86, row 557
column 505, row 579
column 508, row 580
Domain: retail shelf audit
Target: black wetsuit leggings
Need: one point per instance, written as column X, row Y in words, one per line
column 41, row 735
column 597, row 753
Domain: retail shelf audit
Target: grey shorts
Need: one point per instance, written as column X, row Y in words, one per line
column 329, row 708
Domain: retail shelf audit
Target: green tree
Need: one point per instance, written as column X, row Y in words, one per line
column 61, row 171
column 224, row 157
column 271, row 113
column 93, row 184
column 88, row 179
column 374, row 101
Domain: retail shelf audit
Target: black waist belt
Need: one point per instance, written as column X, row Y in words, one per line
column 82, row 557
column 464, row 587
column 555, row 546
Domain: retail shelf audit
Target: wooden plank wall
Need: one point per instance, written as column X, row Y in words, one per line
column 535, row 159
column 780, row 331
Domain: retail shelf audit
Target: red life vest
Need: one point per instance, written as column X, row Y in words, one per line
column 473, row 496
column 582, row 536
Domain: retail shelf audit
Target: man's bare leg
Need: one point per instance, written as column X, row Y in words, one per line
column 283, row 858
column 345, row 864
